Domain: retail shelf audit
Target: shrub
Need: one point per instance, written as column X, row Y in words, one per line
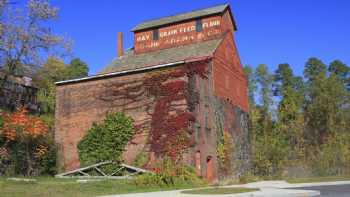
column 168, row 173
column 24, row 145
column 48, row 161
column 270, row 154
column 333, row 157
column 106, row 141
column 141, row 159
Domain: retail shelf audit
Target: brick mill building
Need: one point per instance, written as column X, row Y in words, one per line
column 184, row 86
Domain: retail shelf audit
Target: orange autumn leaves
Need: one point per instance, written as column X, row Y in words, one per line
column 24, row 142
column 20, row 124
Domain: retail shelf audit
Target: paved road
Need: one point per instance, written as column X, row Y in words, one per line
column 269, row 189
column 331, row 191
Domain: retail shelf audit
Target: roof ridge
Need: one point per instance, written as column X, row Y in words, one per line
column 139, row 26
column 186, row 12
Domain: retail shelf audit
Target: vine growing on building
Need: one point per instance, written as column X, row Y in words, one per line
column 170, row 111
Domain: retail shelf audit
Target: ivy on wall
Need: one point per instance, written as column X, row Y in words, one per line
column 171, row 98
column 225, row 146
column 225, row 150
column 170, row 132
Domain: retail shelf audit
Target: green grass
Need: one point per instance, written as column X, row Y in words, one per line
column 70, row 188
column 212, row 191
column 317, row 179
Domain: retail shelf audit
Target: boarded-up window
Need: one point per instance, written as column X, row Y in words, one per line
column 199, row 25
column 156, row 34
column 198, row 163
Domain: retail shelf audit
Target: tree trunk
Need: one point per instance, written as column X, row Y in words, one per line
column 29, row 161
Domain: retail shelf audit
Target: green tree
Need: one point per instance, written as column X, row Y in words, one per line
column 315, row 73
column 311, row 123
column 327, row 100
column 56, row 70
column 249, row 72
column 269, row 147
column 290, row 90
column 52, row 71
column 290, row 118
column 314, row 69
column 77, row 69
column 337, row 105
column 341, row 70
column 264, row 81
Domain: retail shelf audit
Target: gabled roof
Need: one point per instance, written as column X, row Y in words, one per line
column 181, row 17
column 164, row 56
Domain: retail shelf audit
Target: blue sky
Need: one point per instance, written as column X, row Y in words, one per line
column 269, row 31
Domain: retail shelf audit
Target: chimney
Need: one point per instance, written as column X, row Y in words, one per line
column 120, row 44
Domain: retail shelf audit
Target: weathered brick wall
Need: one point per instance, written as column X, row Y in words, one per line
column 80, row 104
column 229, row 80
column 231, row 119
column 206, row 136
column 228, row 105
column 227, row 23
column 214, row 116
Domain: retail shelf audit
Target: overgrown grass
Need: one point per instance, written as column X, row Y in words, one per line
column 212, row 191
column 318, row 179
column 52, row 187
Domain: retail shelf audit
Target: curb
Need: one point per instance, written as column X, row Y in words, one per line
column 277, row 193
column 316, row 184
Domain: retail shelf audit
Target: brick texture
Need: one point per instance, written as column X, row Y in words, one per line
column 222, row 102
column 230, row 82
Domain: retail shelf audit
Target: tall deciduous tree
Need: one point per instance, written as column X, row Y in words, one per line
column 26, row 38
column 25, row 35
column 52, row 71
column 327, row 99
column 315, row 73
column 290, row 119
column 290, row 90
column 249, row 72
column 268, row 144
column 264, row 81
